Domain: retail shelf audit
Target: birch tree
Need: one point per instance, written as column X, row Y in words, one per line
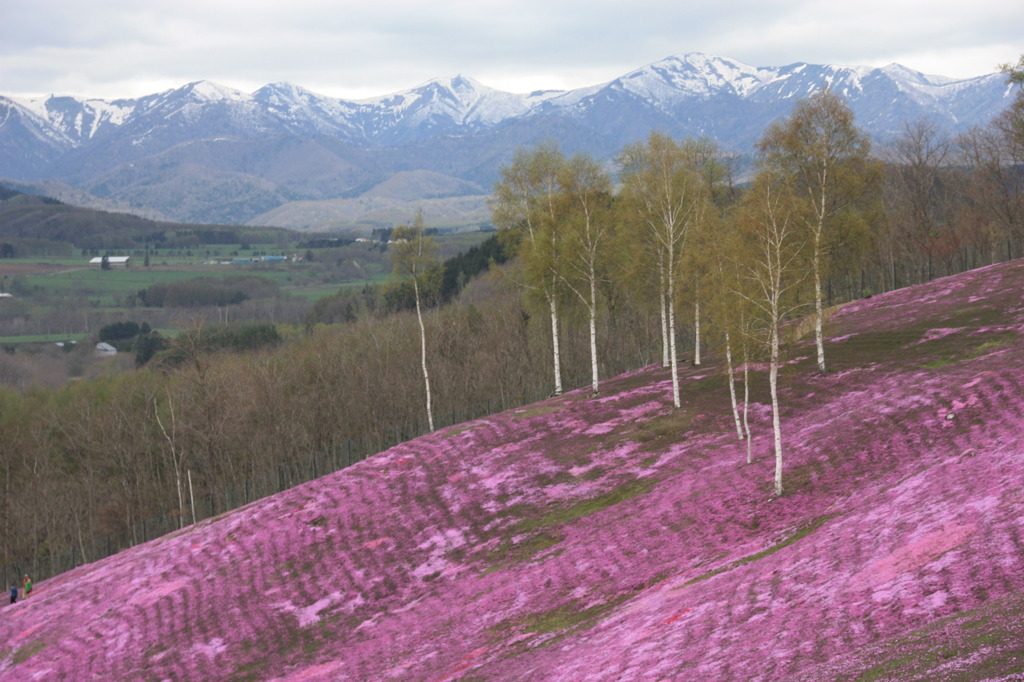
column 666, row 191
column 774, row 269
column 725, row 310
column 525, row 208
column 825, row 158
column 585, row 191
column 178, row 454
column 413, row 255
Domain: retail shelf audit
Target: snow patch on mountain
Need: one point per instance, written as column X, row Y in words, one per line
column 207, row 91
column 459, row 98
column 461, row 104
column 454, row 126
column 695, row 74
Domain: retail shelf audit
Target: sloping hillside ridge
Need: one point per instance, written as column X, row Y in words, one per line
column 616, row 538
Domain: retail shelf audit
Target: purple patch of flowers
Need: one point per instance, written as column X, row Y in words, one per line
column 569, row 543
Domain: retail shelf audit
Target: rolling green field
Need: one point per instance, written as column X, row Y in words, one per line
column 51, row 283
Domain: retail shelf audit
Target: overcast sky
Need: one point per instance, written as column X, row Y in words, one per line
column 128, row 48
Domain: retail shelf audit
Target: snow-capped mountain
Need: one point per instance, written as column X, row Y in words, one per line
column 206, row 152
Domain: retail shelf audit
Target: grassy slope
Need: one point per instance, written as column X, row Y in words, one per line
column 616, row 539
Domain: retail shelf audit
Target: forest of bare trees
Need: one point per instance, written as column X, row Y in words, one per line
column 614, row 268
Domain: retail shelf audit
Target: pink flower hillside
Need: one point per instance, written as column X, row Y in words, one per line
column 618, row 538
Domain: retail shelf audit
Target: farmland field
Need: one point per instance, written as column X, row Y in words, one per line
column 64, row 297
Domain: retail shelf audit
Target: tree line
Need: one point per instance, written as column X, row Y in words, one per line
column 36, row 225
column 823, row 218
column 665, row 253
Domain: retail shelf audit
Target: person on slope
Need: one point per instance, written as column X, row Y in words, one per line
column 14, row 593
column 27, row 584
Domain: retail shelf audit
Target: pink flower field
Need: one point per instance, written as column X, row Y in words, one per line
column 616, row 538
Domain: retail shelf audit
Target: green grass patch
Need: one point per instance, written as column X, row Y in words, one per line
column 939, row 363
column 25, row 652
column 563, row 620
column 312, row 294
column 586, row 507
column 995, row 342
column 560, row 478
column 662, row 430
column 705, row 384
column 509, row 553
column 538, row 411
column 566, row 617
column 456, row 430
column 154, row 649
column 991, row 636
column 801, row 532
column 43, row 338
column 539, row 528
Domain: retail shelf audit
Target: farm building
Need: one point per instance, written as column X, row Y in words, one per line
column 104, row 349
column 114, row 261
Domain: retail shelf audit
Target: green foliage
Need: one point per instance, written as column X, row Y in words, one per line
column 401, row 295
column 443, row 283
column 54, row 222
column 147, row 345
column 345, row 306
column 461, row 268
column 234, row 336
column 1014, row 72
column 119, row 331
column 414, row 261
column 413, row 252
column 242, row 336
column 1012, row 120
column 526, row 209
column 208, row 291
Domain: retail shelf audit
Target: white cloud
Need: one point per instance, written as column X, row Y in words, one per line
column 127, row 48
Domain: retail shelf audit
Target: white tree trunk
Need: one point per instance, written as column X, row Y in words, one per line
column 818, row 312
column 696, row 333
column 732, row 387
column 423, row 357
column 664, row 318
column 673, row 358
column 556, row 352
column 181, row 498
column 746, row 403
column 593, row 332
column 191, row 497
column 773, row 382
column 177, row 459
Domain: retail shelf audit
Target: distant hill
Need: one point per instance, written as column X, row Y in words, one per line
column 27, row 219
column 207, row 153
column 616, row 538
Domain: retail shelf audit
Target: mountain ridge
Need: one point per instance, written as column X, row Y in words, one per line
column 453, row 126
